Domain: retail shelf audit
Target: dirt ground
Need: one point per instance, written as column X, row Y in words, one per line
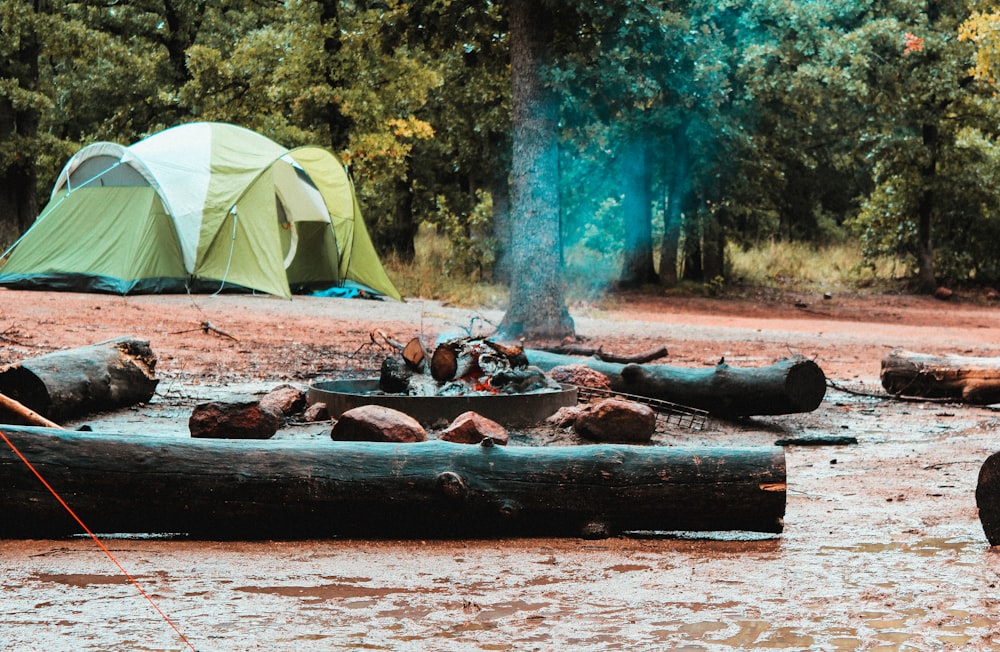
column 882, row 548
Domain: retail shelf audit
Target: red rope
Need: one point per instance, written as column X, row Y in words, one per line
column 96, row 540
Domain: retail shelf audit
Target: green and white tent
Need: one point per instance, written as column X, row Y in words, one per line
column 198, row 207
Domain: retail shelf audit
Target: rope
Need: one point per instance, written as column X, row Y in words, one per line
column 100, row 543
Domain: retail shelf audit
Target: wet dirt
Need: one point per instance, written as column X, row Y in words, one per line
column 882, row 548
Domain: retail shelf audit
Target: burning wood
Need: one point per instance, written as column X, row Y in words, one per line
column 461, row 367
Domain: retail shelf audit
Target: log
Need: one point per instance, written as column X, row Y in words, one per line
column 968, row 379
column 100, row 377
column 288, row 488
column 988, row 498
column 788, row 386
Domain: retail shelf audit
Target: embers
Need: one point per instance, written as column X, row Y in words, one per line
column 462, row 367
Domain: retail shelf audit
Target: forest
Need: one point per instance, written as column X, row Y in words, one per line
column 677, row 128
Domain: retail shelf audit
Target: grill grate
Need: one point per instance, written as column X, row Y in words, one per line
column 667, row 413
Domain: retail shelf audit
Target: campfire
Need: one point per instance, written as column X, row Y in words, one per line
column 464, row 366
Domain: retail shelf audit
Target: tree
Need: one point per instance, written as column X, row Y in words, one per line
column 537, row 306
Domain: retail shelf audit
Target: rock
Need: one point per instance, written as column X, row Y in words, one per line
column 236, row 420
column 316, row 412
column 472, row 428
column 943, row 293
column 565, row 417
column 285, row 400
column 616, row 420
column 580, row 375
column 377, row 423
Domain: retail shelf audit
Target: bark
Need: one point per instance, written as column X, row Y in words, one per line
column 316, row 488
column 789, row 386
column 537, row 299
column 678, row 185
column 925, row 212
column 637, row 210
column 969, row 379
column 104, row 376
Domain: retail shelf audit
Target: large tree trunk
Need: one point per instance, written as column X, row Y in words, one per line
column 537, row 300
column 637, row 209
column 678, row 186
column 104, row 376
column 306, row 488
column 964, row 378
column 788, row 386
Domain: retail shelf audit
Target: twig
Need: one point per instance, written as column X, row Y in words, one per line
column 887, row 397
column 206, row 327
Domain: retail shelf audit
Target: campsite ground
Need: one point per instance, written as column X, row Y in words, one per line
column 882, row 547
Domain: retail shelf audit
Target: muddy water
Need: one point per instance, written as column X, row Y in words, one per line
column 882, row 551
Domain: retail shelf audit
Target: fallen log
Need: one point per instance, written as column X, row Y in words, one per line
column 65, row 384
column 968, row 379
column 601, row 354
column 988, row 498
column 288, row 488
column 788, row 386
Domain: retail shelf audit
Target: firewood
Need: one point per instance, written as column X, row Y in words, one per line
column 444, row 362
column 414, row 354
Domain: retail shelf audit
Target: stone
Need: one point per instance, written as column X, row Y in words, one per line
column 377, row 423
column 285, row 400
column 472, row 428
column 614, row 420
column 233, row 420
column 580, row 375
column 316, row 412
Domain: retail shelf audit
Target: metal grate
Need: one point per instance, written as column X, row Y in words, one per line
column 667, row 413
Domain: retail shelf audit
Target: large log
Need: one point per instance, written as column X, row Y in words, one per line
column 969, row 379
column 100, row 377
column 988, row 498
column 318, row 488
column 788, row 386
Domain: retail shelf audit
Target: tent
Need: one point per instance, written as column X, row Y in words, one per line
column 198, row 207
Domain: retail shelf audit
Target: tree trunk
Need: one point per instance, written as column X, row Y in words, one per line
column 500, row 190
column 537, row 300
column 18, row 133
column 252, row 489
column 678, row 185
column 789, row 386
column 338, row 124
column 637, row 209
column 104, row 376
column 925, row 213
column 969, row 379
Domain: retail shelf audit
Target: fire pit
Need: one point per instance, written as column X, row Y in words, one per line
column 524, row 409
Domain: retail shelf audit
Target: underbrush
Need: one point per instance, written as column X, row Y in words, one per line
column 769, row 267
